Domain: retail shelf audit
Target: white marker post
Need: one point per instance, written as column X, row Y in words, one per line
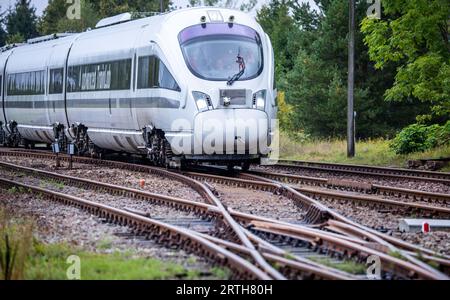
column 56, row 150
column 71, row 152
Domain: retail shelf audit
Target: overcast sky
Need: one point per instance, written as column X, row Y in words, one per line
column 41, row 4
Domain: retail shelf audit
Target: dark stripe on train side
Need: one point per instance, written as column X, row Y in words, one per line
column 143, row 102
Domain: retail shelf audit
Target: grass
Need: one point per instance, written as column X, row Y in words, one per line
column 22, row 257
column 346, row 266
column 16, row 238
column 50, row 262
column 371, row 152
column 52, row 183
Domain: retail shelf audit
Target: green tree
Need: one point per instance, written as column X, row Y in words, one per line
column 244, row 6
column 55, row 11
column 3, row 34
column 283, row 33
column 414, row 35
column 311, row 67
column 88, row 19
column 21, row 21
column 107, row 8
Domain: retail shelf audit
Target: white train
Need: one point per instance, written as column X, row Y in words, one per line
column 187, row 85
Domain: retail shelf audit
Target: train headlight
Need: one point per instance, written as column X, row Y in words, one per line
column 259, row 100
column 202, row 100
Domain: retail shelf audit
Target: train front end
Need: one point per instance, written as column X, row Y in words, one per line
column 230, row 85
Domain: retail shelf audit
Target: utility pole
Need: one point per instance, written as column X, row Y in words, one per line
column 351, row 82
column 161, row 5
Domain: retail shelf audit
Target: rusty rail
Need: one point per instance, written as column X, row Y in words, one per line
column 240, row 216
column 352, row 186
column 164, row 233
column 201, row 209
column 393, row 173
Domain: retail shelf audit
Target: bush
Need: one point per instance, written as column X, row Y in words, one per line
column 419, row 138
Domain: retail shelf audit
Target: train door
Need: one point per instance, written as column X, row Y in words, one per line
column 56, row 83
column 158, row 94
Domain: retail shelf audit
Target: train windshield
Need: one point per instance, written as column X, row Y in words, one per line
column 211, row 52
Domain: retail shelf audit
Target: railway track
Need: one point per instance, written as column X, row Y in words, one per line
column 164, row 233
column 352, row 186
column 331, row 246
column 262, row 183
column 362, row 170
column 297, row 269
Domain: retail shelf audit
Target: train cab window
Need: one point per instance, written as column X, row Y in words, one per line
column 211, row 52
column 115, row 75
column 152, row 73
column 56, row 81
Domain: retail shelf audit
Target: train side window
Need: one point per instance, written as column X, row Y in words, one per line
column 152, row 73
column 146, row 72
column 103, row 76
column 56, row 81
column 124, row 75
column 27, row 83
column 166, row 80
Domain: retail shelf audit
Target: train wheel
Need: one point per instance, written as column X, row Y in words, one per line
column 245, row 166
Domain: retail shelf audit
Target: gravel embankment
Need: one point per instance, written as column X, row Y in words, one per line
column 260, row 203
column 131, row 179
column 159, row 212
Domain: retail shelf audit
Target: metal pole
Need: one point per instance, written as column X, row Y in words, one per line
column 161, row 5
column 351, row 82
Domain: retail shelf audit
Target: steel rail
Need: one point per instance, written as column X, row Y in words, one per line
column 386, row 240
column 353, row 186
column 257, row 182
column 390, row 263
column 205, row 210
column 374, row 169
column 391, row 173
column 302, row 266
column 145, row 226
column 199, row 187
column 294, row 263
column 202, row 209
column 422, row 209
column 236, row 214
column 315, row 212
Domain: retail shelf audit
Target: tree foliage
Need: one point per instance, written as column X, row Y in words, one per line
column 311, row 67
column 419, row 138
column 55, row 17
column 21, row 22
column 414, row 34
column 3, row 34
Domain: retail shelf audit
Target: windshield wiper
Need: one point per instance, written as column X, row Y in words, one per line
column 235, row 77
